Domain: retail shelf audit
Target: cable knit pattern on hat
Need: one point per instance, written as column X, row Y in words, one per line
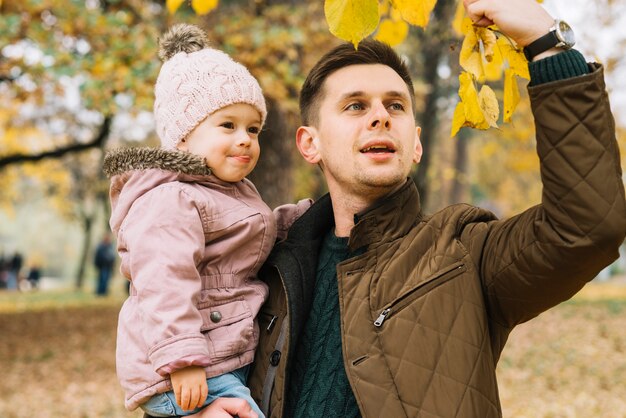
column 193, row 85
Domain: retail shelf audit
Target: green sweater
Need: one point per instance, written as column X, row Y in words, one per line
column 319, row 386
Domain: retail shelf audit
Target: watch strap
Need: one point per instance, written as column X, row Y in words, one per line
column 547, row 41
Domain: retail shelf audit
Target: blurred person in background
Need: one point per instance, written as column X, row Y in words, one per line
column 14, row 270
column 104, row 261
column 34, row 275
column 4, row 271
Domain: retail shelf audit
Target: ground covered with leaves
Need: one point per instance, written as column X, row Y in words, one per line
column 59, row 362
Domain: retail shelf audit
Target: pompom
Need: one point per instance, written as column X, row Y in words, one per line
column 182, row 38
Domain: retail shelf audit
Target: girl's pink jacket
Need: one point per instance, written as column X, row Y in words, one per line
column 191, row 246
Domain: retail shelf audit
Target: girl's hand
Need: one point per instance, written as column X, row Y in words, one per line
column 190, row 387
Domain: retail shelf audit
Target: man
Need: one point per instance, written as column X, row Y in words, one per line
column 377, row 310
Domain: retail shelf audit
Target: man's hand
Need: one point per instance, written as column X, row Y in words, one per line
column 190, row 387
column 522, row 20
column 226, row 408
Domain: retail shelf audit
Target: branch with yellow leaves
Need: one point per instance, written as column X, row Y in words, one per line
column 485, row 55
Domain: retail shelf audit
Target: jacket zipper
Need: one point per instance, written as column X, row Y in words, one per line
column 403, row 301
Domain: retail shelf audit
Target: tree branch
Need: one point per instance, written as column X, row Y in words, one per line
column 98, row 140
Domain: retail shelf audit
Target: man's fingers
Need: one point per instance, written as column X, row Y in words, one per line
column 234, row 406
column 477, row 14
column 483, row 22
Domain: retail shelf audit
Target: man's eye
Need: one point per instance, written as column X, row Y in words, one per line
column 228, row 125
column 397, row 106
column 355, row 106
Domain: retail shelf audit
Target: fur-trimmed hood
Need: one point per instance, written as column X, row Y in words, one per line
column 127, row 159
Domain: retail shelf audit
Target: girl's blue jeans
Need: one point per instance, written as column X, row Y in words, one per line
column 228, row 385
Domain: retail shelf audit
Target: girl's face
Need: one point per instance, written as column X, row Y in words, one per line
column 228, row 139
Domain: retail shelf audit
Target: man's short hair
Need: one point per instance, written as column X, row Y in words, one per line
column 369, row 52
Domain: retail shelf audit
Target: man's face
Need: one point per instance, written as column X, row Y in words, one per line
column 365, row 139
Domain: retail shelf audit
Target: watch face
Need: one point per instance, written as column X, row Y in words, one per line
column 565, row 33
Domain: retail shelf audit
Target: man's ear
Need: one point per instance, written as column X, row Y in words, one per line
column 417, row 152
column 308, row 144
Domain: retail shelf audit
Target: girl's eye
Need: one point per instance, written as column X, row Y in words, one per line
column 355, row 106
column 228, row 125
column 253, row 130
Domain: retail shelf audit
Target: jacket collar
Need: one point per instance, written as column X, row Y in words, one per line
column 389, row 218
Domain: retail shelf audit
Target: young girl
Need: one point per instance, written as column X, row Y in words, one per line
column 192, row 233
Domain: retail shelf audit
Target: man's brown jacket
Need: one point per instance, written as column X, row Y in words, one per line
column 427, row 309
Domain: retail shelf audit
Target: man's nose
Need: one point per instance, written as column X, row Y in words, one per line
column 380, row 117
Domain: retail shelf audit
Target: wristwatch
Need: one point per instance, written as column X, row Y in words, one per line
column 561, row 35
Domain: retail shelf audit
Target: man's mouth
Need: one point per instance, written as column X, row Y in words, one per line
column 378, row 149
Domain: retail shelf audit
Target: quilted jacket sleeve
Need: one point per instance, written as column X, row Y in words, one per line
column 543, row 256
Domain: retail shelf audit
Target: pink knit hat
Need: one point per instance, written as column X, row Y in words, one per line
column 195, row 81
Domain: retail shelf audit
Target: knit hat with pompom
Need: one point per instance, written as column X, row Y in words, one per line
column 195, row 81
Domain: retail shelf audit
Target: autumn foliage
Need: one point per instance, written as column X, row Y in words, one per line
column 485, row 55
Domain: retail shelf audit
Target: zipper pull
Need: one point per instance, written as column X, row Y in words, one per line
column 381, row 318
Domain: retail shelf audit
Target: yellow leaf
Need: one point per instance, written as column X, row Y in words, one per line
column 472, row 114
column 203, row 7
column 458, row 120
column 511, row 94
column 351, row 20
column 493, row 69
column 516, row 59
column 469, row 96
column 489, row 105
column 416, row 12
column 173, row 5
column 466, row 25
column 392, row 33
column 488, row 39
column 395, row 14
column 459, row 15
column 470, row 58
column 383, row 8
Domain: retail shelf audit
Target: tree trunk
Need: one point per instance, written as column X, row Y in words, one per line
column 272, row 175
column 86, row 250
column 458, row 191
column 435, row 41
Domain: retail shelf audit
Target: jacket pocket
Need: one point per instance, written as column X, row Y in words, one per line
column 405, row 299
column 228, row 328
